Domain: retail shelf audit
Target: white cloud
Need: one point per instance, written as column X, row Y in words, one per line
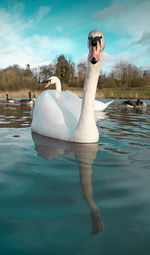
column 144, row 39
column 59, row 29
column 109, row 58
column 18, row 48
column 128, row 16
column 110, row 61
column 11, row 43
column 129, row 23
column 42, row 12
column 83, row 59
column 145, row 66
column 109, row 12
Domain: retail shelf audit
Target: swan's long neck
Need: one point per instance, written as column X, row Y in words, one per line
column 86, row 130
column 58, row 85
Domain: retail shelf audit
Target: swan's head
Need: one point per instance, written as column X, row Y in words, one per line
column 96, row 44
column 52, row 80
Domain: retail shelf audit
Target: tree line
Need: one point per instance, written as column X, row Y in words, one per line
column 122, row 75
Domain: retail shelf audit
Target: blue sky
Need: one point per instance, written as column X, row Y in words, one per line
column 35, row 32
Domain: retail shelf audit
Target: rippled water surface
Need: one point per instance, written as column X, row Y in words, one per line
column 62, row 198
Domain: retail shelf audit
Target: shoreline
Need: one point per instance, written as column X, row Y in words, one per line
column 100, row 93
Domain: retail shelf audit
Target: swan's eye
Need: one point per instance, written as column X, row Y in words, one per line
column 93, row 40
column 98, row 38
column 90, row 39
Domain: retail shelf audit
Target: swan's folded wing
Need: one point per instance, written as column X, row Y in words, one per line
column 72, row 102
column 50, row 118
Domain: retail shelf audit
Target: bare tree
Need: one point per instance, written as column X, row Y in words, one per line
column 65, row 69
column 82, row 68
column 126, row 73
column 47, row 71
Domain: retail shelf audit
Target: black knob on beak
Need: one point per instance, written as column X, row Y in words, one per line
column 93, row 61
column 94, row 43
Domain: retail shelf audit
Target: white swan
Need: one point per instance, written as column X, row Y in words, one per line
column 98, row 105
column 52, row 119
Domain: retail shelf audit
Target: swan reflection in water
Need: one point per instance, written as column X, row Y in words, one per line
column 85, row 154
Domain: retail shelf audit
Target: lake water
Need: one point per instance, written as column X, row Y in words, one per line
column 69, row 199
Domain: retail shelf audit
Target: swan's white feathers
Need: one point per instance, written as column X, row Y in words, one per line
column 100, row 106
column 64, row 116
column 72, row 102
column 51, row 117
column 70, row 99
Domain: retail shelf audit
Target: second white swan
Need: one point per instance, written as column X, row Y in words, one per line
column 98, row 105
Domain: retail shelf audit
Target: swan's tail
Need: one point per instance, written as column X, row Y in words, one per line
column 101, row 106
column 108, row 103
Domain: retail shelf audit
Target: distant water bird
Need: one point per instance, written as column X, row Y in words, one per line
column 52, row 119
column 135, row 104
column 34, row 98
column 27, row 101
column 9, row 100
column 98, row 105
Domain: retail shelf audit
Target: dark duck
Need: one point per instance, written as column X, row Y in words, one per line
column 135, row 104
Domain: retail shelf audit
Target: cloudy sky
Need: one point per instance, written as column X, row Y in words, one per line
column 35, row 32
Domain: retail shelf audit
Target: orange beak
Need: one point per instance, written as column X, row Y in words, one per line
column 47, row 84
column 95, row 53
